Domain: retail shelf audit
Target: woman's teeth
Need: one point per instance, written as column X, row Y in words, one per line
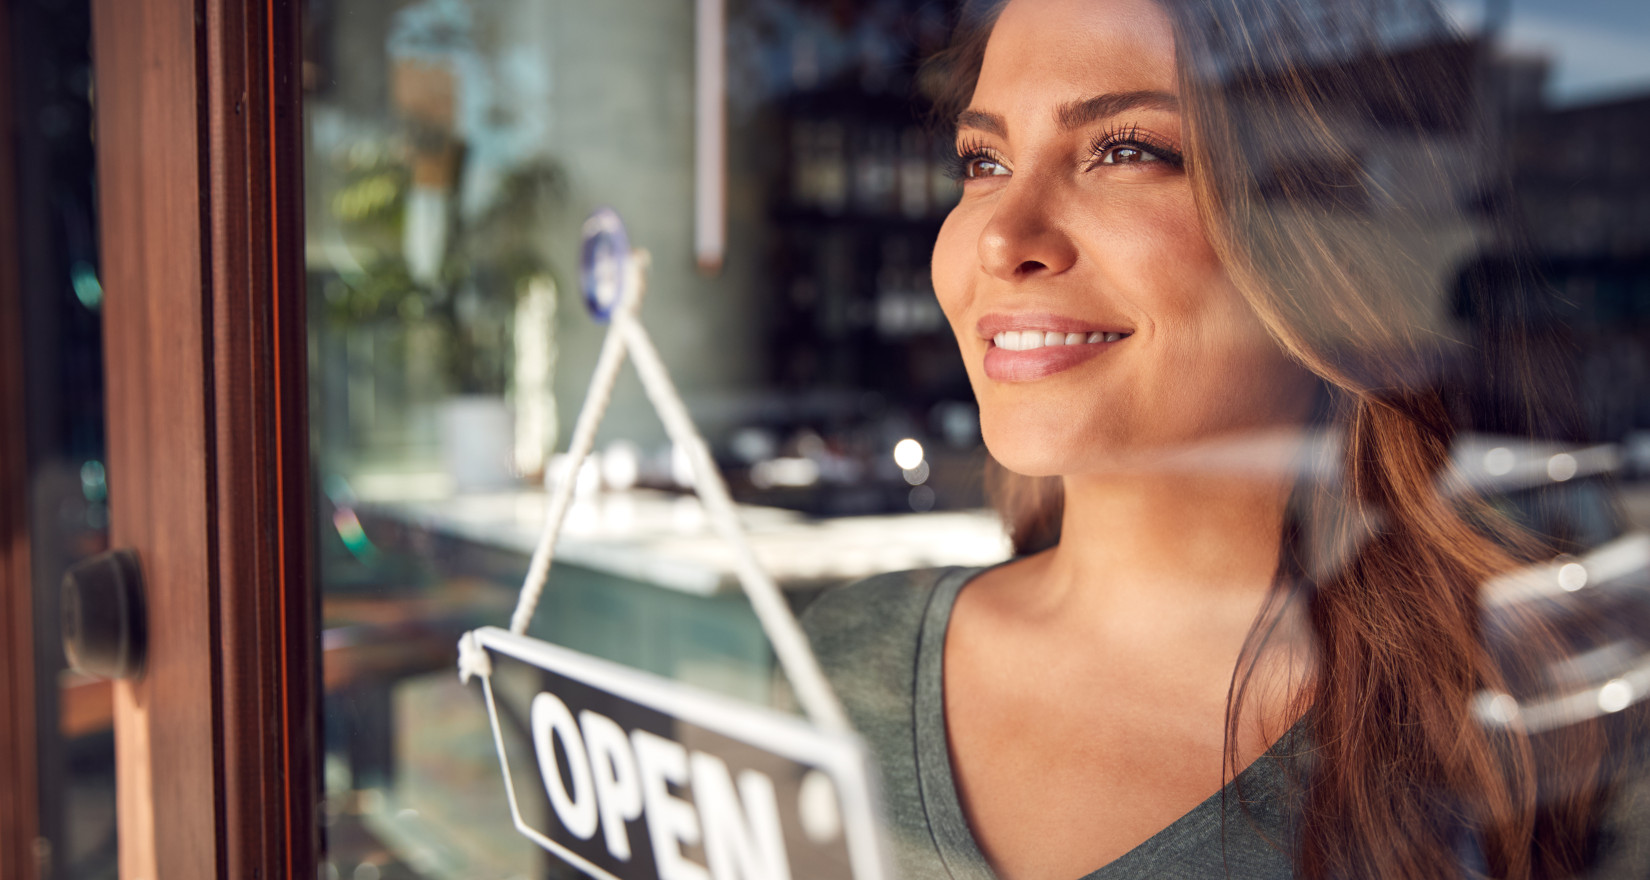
column 1026, row 340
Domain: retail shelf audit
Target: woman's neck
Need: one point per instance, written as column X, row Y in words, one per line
column 1159, row 579
column 1183, row 542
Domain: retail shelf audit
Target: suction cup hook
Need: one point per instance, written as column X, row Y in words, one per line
column 604, row 264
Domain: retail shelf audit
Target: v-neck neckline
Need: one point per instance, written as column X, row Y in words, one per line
column 958, row 848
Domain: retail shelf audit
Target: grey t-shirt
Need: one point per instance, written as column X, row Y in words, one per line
column 881, row 642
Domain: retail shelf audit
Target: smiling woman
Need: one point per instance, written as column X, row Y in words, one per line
column 1205, row 277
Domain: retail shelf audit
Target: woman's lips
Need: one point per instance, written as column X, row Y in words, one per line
column 1017, row 352
column 1003, row 365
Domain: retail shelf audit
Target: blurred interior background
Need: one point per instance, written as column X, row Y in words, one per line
column 453, row 149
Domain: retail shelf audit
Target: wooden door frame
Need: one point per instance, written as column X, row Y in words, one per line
column 19, row 803
column 199, row 133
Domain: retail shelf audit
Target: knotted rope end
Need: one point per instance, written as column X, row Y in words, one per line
column 472, row 659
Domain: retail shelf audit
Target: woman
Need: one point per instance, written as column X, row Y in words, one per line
column 1198, row 278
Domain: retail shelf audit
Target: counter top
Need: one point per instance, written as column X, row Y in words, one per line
column 666, row 540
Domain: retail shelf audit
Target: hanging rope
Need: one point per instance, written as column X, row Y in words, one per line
column 627, row 335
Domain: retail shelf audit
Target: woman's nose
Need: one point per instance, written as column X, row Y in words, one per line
column 1024, row 237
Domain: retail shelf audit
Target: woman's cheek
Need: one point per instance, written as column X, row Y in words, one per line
column 1149, row 245
column 955, row 256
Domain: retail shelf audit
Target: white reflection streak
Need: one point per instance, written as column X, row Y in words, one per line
column 1626, row 555
column 1615, row 561
column 1479, row 465
column 1599, row 664
column 1510, row 466
column 1501, row 710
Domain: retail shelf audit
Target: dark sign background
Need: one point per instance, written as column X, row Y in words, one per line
column 825, row 860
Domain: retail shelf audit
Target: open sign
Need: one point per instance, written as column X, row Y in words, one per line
column 648, row 778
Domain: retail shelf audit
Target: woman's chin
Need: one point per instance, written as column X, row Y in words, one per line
column 1033, row 450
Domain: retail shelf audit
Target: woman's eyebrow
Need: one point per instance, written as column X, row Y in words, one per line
column 990, row 123
column 1076, row 114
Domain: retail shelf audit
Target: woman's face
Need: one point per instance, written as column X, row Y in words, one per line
column 1077, row 226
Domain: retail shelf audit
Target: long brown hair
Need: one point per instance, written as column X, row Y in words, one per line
column 1330, row 146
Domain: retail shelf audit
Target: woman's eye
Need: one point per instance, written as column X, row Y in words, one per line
column 982, row 166
column 1127, row 154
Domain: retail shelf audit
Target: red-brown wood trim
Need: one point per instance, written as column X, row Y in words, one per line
column 271, row 700
column 199, row 134
column 19, row 802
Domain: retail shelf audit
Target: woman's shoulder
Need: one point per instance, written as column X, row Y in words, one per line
column 872, row 626
column 878, row 614
column 879, row 593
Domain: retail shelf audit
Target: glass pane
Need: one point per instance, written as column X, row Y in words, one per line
column 49, row 76
column 1287, row 352
column 453, row 152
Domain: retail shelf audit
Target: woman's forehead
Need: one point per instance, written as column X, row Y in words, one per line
column 1046, row 53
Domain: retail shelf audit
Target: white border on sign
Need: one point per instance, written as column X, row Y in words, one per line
column 842, row 756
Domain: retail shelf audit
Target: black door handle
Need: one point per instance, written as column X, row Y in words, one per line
column 104, row 627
